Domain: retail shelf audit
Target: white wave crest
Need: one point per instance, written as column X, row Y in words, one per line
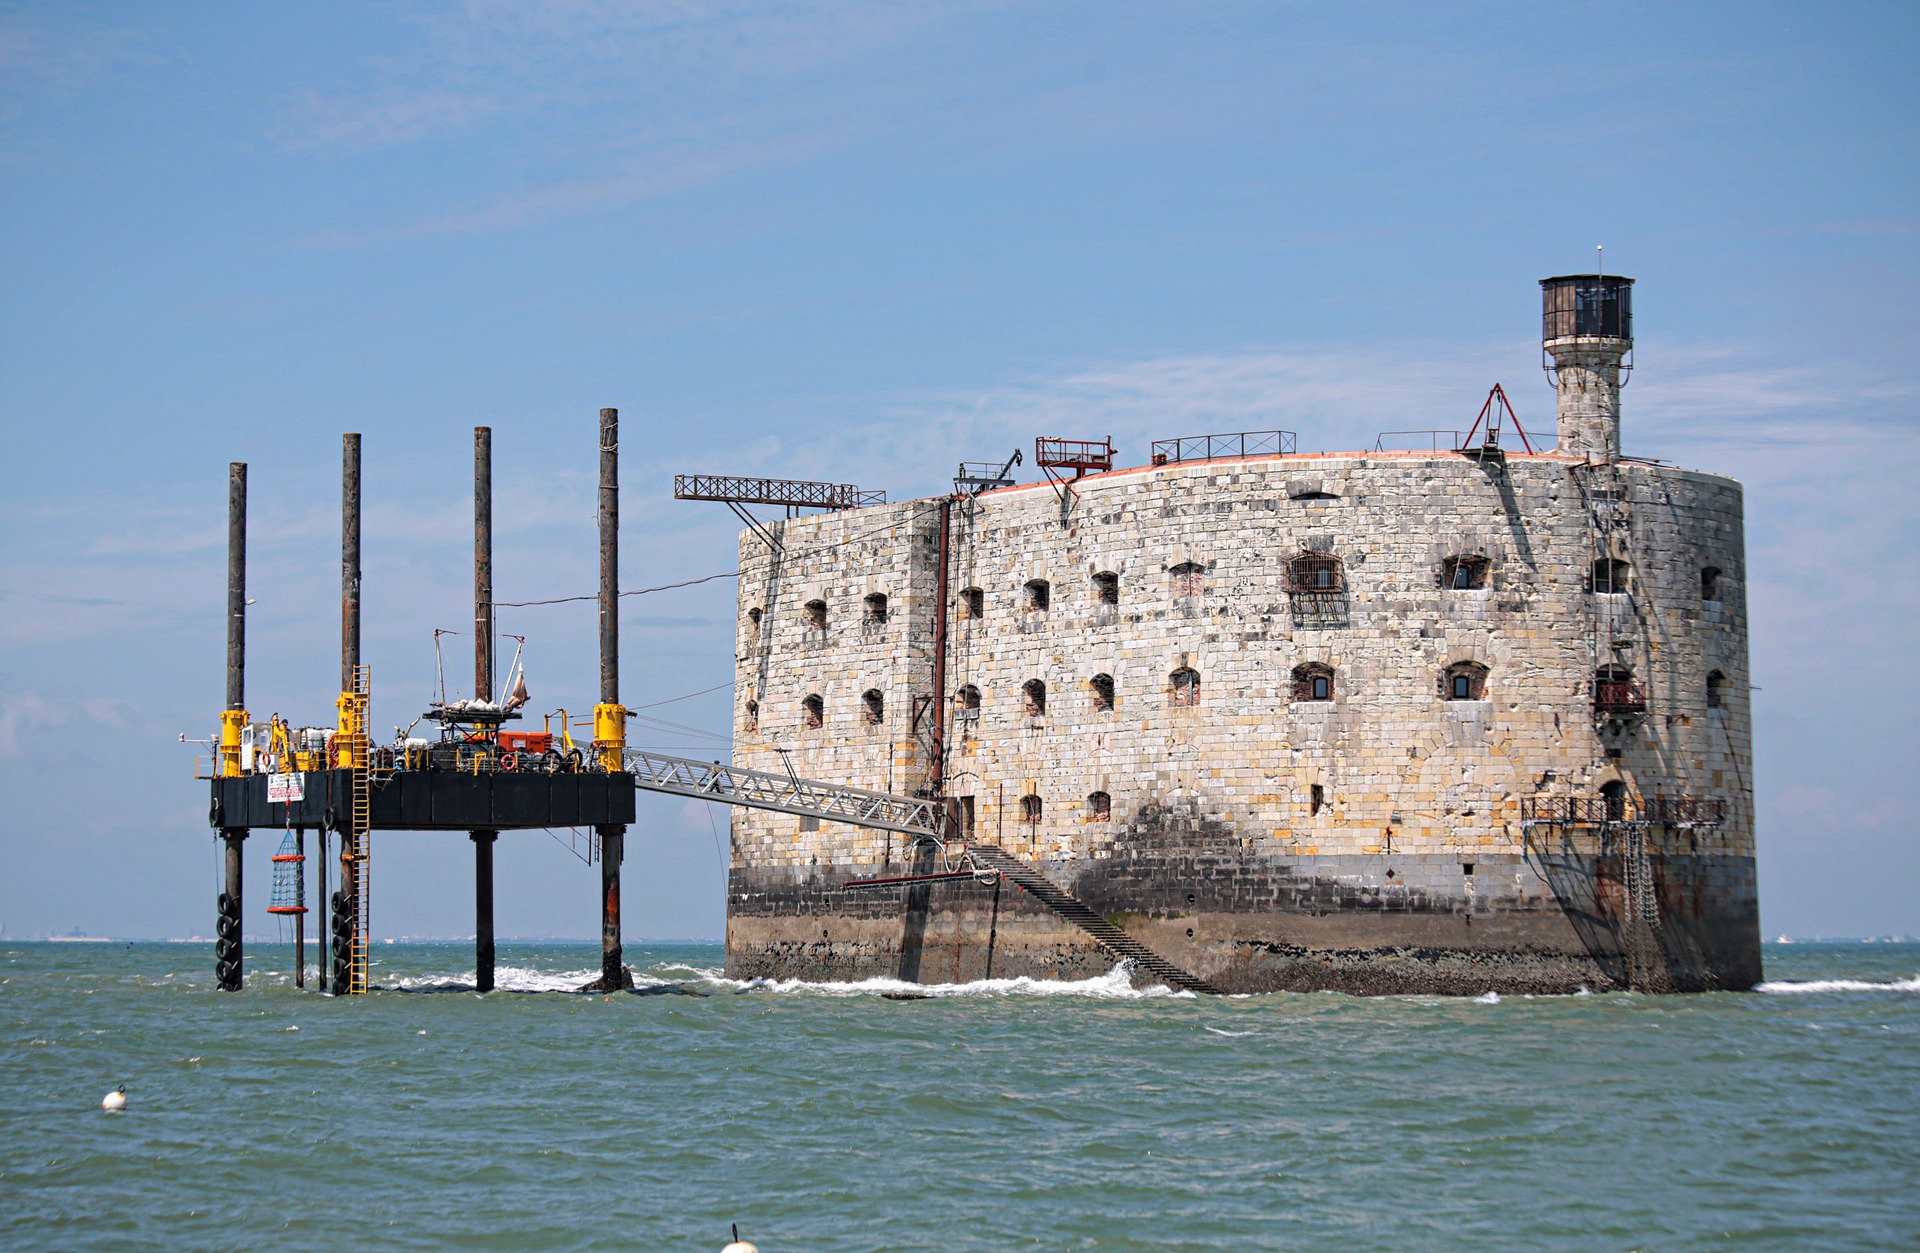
column 1491, row 998
column 512, row 979
column 1786, row 987
column 1116, row 984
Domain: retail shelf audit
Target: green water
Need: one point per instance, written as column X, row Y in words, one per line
column 1000, row 1116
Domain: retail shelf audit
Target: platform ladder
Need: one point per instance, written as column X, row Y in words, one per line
column 360, row 828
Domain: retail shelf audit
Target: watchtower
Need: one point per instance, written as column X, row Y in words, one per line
column 1586, row 340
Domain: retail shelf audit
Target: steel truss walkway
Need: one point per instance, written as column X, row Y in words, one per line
column 923, row 818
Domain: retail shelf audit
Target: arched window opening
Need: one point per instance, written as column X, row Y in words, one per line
column 1613, row 796
column 1464, row 680
column 1464, row 573
column 814, row 614
column 876, row 610
column 1710, row 583
column 1186, row 688
column 753, row 715
column 1312, row 681
column 1106, row 588
column 1102, row 685
column 1030, row 808
column 1610, row 575
column 1189, row 579
column 753, row 620
column 1615, row 691
column 973, row 603
column 1312, row 574
column 813, row 713
column 966, row 703
column 1099, row 807
column 1316, row 799
column 874, row 704
column 1716, row 690
column 1039, row 595
column 1034, row 694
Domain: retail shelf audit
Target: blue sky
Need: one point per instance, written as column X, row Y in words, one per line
column 861, row 242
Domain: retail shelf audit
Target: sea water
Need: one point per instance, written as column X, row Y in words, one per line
column 1000, row 1115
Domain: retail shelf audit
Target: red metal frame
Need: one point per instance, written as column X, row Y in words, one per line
column 1078, row 455
column 1492, row 420
column 1619, row 696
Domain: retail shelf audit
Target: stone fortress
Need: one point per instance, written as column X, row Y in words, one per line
column 1390, row 721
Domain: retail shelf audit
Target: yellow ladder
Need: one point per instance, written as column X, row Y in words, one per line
column 360, row 831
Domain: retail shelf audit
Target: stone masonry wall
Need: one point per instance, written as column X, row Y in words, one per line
column 1386, row 772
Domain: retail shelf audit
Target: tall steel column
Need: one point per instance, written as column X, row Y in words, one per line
column 610, row 727
column 228, row 953
column 327, row 907
column 483, row 840
column 349, row 559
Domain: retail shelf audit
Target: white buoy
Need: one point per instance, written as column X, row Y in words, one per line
column 116, row 1099
column 739, row 1245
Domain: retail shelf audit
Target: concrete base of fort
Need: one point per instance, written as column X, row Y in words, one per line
column 1368, row 925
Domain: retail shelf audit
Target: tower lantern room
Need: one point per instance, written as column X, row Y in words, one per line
column 1586, row 336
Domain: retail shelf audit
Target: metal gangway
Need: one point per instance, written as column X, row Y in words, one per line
column 924, row 819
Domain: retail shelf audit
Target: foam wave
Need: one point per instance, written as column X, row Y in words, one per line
column 512, row 979
column 1116, row 985
column 1787, row 987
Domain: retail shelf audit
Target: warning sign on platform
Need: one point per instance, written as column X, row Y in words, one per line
column 282, row 788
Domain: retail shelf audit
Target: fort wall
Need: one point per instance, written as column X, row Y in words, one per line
column 1175, row 768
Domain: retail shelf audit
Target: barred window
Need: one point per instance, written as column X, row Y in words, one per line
column 1312, row 681
column 1314, row 573
column 813, row 713
column 1186, row 688
column 1189, row 579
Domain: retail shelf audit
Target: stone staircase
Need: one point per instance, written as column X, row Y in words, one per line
column 1070, row 907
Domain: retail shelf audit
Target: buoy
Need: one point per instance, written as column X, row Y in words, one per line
column 116, row 1099
column 739, row 1245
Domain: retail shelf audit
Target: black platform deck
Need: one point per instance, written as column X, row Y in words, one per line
column 433, row 800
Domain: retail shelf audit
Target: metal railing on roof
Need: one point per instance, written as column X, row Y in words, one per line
column 1429, row 442
column 1232, row 444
